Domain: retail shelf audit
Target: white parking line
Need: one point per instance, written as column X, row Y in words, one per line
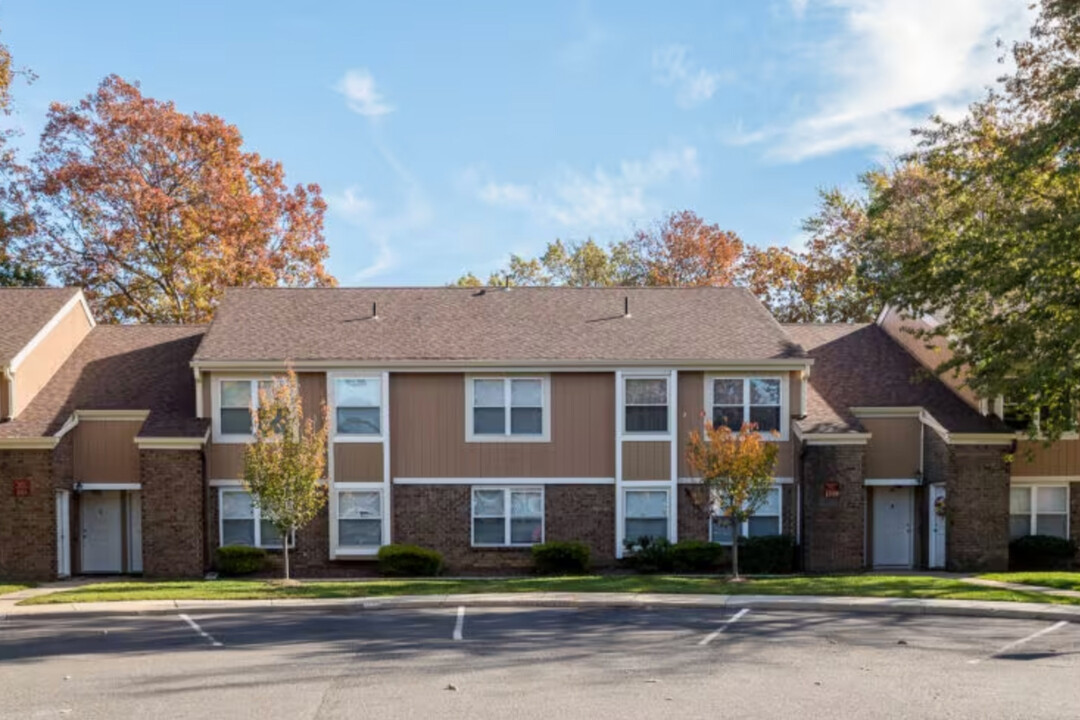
column 716, row 633
column 460, row 624
column 195, row 626
column 1016, row 643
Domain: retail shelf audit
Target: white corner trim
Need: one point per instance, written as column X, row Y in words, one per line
column 113, row 415
column 891, row 482
column 199, row 409
column 1044, row 479
column 70, row 424
column 77, row 299
column 502, row 481
column 10, row 377
column 29, row 443
column 887, row 412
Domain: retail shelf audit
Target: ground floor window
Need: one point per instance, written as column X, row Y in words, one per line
column 507, row 516
column 646, row 513
column 242, row 523
column 359, row 518
column 766, row 521
column 1039, row 510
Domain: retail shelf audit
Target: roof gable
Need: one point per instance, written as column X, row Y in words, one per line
column 24, row 312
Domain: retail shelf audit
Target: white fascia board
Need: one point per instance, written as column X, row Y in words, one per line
column 703, row 365
column 887, row 412
column 503, row 481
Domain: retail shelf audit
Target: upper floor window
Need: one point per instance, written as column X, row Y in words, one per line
column 645, row 402
column 357, row 405
column 737, row 400
column 237, row 400
column 507, row 409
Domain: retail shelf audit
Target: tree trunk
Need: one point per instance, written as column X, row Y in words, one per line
column 735, row 549
column 285, row 544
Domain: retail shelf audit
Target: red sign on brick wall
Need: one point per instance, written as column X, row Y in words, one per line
column 20, row 487
column 832, row 489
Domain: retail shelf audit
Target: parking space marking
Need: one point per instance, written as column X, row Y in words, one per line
column 195, row 626
column 459, row 626
column 1017, row 643
column 716, row 633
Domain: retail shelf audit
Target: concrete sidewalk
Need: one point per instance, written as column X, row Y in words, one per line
column 900, row 606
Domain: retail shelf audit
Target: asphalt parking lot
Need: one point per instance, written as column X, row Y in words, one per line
column 536, row 663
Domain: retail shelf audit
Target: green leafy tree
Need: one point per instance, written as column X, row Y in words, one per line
column 981, row 225
column 285, row 465
column 736, row 471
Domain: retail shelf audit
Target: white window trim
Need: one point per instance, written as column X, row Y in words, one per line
column 360, row 550
column 545, row 411
column 637, row 486
column 785, row 400
column 331, row 403
column 745, row 525
column 1033, row 490
column 256, row 518
column 633, row 436
column 508, row 516
column 215, row 403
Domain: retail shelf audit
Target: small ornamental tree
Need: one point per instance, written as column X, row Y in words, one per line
column 285, row 465
column 736, row 470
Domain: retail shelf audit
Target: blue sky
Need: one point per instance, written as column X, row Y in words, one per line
column 447, row 135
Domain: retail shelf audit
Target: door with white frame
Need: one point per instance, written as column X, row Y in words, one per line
column 937, row 526
column 101, row 531
column 893, row 514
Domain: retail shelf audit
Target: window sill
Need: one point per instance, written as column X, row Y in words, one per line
column 346, row 553
column 358, row 438
column 505, row 547
column 233, row 439
column 646, row 437
column 507, row 439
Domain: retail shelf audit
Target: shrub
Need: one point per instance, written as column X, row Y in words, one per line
column 767, row 555
column 409, row 561
column 554, row 558
column 1041, row 552
column 697, row 556
column 239, row 559
column 649, row 554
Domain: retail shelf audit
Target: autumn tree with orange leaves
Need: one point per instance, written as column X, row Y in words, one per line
column 155, row 212
column 736, row 471
column 684, row 250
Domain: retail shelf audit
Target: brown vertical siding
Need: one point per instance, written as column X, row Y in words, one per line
column 1033, row 459
column 895, row 448
column 691, row 418
column 44, row 360
column 312, row 395
column 105, row 451
column 225, row 462
column 898, row 327
column 358, row 462
column 427, row 426
column 207, row 389
column 646, row 460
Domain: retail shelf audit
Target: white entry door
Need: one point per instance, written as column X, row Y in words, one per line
column 63, row 533
column 937, row 526
column 892, row 526
column 101, row 531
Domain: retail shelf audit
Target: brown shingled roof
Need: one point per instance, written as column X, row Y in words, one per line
column 122, row 367
column 23, row 312
column 859, row 365
column 519, row 324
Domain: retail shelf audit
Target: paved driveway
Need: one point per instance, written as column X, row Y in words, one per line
column 537, row 663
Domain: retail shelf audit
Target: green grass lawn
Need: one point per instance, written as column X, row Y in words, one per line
column 905, row 586
column 1057, row 580
column 6, row 588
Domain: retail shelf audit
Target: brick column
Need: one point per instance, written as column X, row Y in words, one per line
column 172, row 513
column 977, row 509
column 834, row 534
column 27, row 523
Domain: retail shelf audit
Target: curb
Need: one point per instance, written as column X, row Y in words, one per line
column 792, row 603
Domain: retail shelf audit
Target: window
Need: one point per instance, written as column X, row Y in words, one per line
column 242, row 523
column 358, row 406
column 507, row 516
column 237, row 400
column 646, row 405
column 507, row 409
column 1039, row 510
column 766, row 521
column 646, row 514
column 757, row 400
column 359, row 518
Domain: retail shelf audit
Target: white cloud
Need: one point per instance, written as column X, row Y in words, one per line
column 894, row 63
column 358, row 87
column 672, row 67
column 600, row 199
column 798, row 7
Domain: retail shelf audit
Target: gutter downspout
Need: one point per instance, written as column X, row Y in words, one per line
column 10, row 377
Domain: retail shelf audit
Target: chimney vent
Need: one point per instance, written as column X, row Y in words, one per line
column 626, row 306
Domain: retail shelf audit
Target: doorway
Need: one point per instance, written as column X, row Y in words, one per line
column 893, row 516
column 937, row 526
column 110, row 531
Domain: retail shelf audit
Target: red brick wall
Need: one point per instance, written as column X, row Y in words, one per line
column 173, row 509
column 440, row 517
column 27, row 524
column 833, row 528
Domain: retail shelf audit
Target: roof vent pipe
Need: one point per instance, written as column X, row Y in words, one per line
column 626, row 306
column 375, row 311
